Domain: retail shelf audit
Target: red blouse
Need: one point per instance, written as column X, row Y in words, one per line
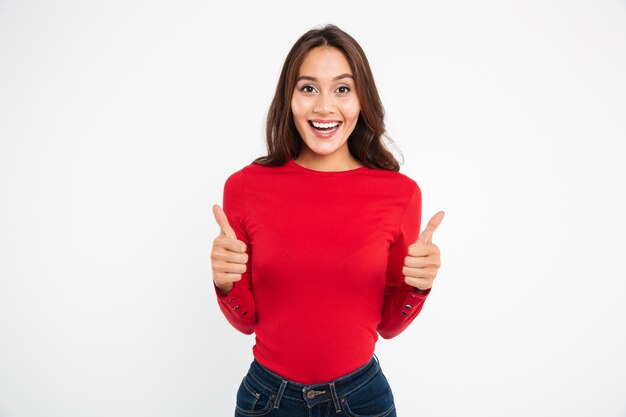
column 324, row 273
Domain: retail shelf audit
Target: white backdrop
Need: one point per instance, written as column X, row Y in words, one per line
column 121, row 120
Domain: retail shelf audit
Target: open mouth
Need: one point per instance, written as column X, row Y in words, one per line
column 325, row 128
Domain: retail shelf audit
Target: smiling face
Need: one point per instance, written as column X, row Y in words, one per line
column 325, row 109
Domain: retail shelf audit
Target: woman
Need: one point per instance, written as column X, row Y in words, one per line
column 319, row 251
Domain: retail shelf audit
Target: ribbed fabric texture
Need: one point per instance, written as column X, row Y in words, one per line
column 324, row 275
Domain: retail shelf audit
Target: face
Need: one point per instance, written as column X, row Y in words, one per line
column 325, row 106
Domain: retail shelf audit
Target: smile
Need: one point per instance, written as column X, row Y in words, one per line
column 324, row 130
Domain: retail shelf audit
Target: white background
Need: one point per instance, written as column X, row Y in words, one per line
column 121, row 120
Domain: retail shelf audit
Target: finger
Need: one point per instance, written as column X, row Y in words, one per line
column 419, row 283
column 232, row 277
column 230, row 244
column 222, row 278
column 222, row 221
column 427, row 235
column 227, row 267
column 229, row 250
column 422, row 262
column 423, row 249
column 420, row 273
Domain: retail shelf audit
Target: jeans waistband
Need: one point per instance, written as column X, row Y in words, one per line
column 313, row 394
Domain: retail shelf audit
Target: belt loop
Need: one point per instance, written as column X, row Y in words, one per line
column 334, row 395
column 281, row 390
column 377, row 361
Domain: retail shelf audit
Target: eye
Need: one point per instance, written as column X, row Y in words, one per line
column 343, row 89
column 307, row 89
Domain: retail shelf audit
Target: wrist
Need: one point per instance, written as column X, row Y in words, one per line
column 420, row 291
column 224, row 289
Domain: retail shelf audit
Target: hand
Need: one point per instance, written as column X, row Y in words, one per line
column 423, row 261
column 228, row 256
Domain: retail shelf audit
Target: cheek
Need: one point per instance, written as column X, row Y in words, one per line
column 352, row 110
column 299, row 116
column 297, row 109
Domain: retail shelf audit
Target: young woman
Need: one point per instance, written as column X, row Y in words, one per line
column 319, row 249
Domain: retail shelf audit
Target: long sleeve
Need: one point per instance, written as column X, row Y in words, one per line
column 403, row 302
column 238, row 304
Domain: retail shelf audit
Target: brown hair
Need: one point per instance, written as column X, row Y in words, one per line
column 365, row 142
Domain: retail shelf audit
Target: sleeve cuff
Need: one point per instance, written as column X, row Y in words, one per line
column 232, row 300
column 417, row 292
column 414, row 298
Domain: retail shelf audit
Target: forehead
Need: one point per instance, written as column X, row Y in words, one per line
column 324, row 62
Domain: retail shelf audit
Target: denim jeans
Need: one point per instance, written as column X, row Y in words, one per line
column 364, row 392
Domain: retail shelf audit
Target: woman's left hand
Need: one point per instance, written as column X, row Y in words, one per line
column 423, row 261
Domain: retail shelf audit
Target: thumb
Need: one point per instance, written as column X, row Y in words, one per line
column 222, row 221
column 427, row 235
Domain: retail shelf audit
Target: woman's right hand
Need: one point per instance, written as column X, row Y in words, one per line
column 228, row 256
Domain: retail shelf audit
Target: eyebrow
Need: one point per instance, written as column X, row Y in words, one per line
column 339, row 77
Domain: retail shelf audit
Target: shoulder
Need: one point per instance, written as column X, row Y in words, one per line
column 247, row 173
column 235, row 179
column 406, row 181
column 400, row 182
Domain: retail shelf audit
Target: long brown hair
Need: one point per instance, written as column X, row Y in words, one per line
column 365, row 142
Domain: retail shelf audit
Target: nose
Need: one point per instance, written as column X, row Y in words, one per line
column 323, row 104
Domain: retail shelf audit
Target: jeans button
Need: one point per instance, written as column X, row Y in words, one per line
column 310, row 395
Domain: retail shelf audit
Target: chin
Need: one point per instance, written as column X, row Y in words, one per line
column 324, row 149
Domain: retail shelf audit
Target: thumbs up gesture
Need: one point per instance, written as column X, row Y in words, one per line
column 423, row 261
column 228, row 256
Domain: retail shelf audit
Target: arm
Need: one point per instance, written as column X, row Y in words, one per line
column 403, row 302
column 237, row 304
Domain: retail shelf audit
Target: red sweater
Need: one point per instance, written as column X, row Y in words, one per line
column 324, row 273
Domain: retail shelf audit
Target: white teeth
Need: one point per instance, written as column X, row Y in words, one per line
column 325, row 125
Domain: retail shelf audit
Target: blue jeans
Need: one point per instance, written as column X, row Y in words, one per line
column 364, row 392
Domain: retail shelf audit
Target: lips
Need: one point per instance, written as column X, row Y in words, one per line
column 324, row 125
column 324, row 132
